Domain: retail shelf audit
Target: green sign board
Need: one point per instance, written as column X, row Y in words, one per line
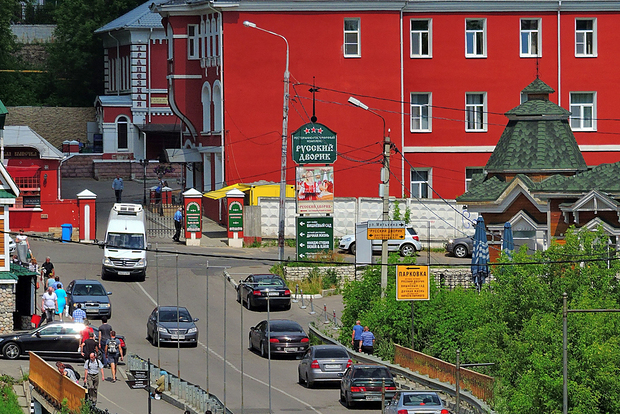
column 193, row 217
column 314, row 144
column 314, row 235
column 235, row 216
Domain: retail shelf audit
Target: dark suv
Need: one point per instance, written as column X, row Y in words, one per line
column 362, row 382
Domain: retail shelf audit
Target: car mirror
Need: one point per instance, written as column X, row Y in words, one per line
column 38, row 334
column 109, row 293
column 195, row 319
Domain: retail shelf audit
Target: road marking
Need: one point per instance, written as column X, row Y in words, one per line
column 237, row 369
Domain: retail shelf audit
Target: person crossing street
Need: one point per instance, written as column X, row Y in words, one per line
column 92, row 366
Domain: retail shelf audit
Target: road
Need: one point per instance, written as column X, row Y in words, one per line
column 132, row 302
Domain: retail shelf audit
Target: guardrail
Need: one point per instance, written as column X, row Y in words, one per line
column 183, row 393
column 479, row 405
column 54, row 386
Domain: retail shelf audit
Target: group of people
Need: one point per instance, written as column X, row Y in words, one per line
column 362, row 339
column 110, row 348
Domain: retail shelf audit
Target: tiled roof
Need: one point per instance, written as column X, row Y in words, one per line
column 139, row 18
column 538, row 107
column 7, row 194
column 538, row 86
column 489, row 190
column 603, row 178
column 18, row 270
column 7, row 276
column 536, row 146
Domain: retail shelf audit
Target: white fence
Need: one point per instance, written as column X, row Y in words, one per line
column 442, row 219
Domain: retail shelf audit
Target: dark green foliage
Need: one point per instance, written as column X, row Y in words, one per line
column 8, row 399
column 516, row 323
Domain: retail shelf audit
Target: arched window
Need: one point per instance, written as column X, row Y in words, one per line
column 121, row 132
column 217, row 106
column 206, row 107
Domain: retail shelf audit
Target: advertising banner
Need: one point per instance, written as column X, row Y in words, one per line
column 315, row 190
column 314, row 235
column 314, row 144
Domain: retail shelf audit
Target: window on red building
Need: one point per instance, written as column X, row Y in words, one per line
column 421, row 38
column 469, row 175
column 475, row 111
column 530, row 38
column 420, row 112
column 475, row 38
column 121, row 131
column 585, row 37
column 192, row 41
column 420, row 179
column 352, row 38
column 583, row 111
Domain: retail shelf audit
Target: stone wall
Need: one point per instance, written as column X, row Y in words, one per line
column 7, row 307
column 79, row 166
column 344, row 273
column 55, row 124
column 453, row 277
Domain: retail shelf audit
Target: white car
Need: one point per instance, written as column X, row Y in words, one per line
column 407, row 247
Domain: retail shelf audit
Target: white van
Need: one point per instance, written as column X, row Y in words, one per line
column 124, row 249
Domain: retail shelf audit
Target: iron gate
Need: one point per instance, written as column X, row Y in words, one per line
column 160, row 217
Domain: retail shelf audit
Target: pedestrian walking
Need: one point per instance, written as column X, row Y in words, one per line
column 92, row 366
column 178, row 223
column 56, row 282
column 89, row 346
column 61, row 296
column 47, row 269
column 113, row 352
column 104, row 335
column 49, row 304
column 66, row 371
column 356, row 336
column 78, row 314
column 368, row 341
column 117, row 185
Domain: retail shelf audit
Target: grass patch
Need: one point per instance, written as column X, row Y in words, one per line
column 8, row 399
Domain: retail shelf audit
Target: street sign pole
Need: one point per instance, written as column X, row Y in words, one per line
column 385, row 172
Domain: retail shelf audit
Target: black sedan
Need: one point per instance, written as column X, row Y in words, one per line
column 363, row 382
column 256, row 289
column 172, row 326
column 93, row 297
column 283, row 336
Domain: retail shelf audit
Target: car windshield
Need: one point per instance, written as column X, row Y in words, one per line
column 380, row 372
column 171, row 316
column 285, row 327
column 89, row 290
column 421, row 399
column 125, row 240
column 268, row 281
column 331, row 353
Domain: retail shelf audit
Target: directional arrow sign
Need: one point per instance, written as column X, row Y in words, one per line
column 317, row 235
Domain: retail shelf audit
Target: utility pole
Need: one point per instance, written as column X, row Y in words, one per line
column 385, row 179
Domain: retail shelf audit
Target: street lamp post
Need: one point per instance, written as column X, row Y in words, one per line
column 385, row 179
column 281, row 209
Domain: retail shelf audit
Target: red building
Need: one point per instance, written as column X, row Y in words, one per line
column 441, row 74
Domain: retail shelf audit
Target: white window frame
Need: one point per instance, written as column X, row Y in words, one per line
column 584, row 41
column 206, row 107
column 358, row 35
column 476, row 108
column 475, row 33
column 529, row 33
column 193, row 41
column 419, row 39
column 469, row 177
column 421, row 184
column 417, row 111
column 582, row 107
column 170, row 39
column 216, row 96
column 122, row 120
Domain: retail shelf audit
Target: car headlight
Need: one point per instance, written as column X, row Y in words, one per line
column 107, row 261
column 192, row 330
column 141, row 263
column 104, row 305
column 347, row 238
column 162, row 329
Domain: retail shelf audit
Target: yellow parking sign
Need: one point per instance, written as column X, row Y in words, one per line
column 412, row 283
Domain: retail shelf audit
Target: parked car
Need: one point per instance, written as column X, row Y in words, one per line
column 406, row 247
column 55, row 339
column 416, row 402
column 323, row 363
column 286, row 337
column 92, row 295
column 254, row 290
column 170, row 328
column 363, row 382
column 460, row 247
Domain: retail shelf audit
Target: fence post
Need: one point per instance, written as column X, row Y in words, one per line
column 335, row 321
column 325, row 311
column 296, row 289
column 303, row 306
column 312, row 312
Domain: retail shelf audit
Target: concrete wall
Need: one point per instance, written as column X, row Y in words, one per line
column 33, row 33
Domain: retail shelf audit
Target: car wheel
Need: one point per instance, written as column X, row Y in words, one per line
column 263, row 351
column 148, row 336
column 11, row 350
column 300, row 380
column 238, row 297
column 309, row 384
column 104, row 274
column 341, row 396
column 287, row 306
column 348, row 402
column 407, row 250
column 460, row 251
column 248, row 303
column 352, row 248
column 154, row 339
column 250, row 345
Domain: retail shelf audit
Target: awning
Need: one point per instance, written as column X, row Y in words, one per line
column 221, row 193
column 183, row 155
column 23, row 172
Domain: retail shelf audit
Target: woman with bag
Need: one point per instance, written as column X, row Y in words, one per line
column 61, row 296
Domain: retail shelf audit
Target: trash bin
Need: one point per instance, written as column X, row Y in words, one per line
column 67, row 229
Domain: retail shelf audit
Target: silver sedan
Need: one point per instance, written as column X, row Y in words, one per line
column 416, row 402
column 323, row 363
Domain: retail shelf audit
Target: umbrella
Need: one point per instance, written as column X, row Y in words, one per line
column 480, row 254
column 508, row 243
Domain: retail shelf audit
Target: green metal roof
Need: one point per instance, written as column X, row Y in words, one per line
column 18, row 270
column 488, row 190
column 8, row 276
column 538, row 86
column 603, row 178
column 7, row 194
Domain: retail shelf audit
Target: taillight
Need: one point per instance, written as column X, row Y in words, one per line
column 444, row 411
column 287, row 292
column 349, row 362
column 304, row 340
column 274, row 340
column 358, row 389
column 403, row 412
column 416, row 237
column 256, row 293
column 315, row 364
column 390, row 388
